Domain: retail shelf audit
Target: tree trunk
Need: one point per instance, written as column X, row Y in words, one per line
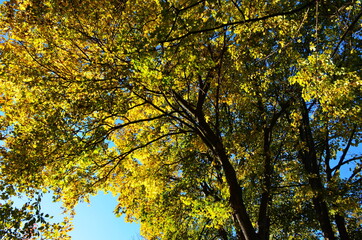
column 309, row 159
column 214, row 143
column 263, row 218
column 236, row 194
column 236, row 198
column 341, row 225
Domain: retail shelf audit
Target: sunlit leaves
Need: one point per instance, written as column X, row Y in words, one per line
column 161, row 102
column 335, row 88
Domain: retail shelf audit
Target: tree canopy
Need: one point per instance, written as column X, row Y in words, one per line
column 210, row 119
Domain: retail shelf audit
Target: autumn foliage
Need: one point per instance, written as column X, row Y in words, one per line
column 210, row 119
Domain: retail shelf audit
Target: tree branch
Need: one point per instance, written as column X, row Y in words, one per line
column 239, row 22
column 345, row 150
column 355, row 21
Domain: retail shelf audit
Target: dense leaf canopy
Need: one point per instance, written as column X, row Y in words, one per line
column 210, row 119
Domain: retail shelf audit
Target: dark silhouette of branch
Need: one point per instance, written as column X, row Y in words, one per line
column 345, row 150
column 240, row 22
column 355, row 21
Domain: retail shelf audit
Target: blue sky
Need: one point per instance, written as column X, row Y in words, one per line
column 96, row 220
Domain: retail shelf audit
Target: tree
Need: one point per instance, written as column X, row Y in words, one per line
column 210, row 119
column 21, row 216
column 26, row 221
